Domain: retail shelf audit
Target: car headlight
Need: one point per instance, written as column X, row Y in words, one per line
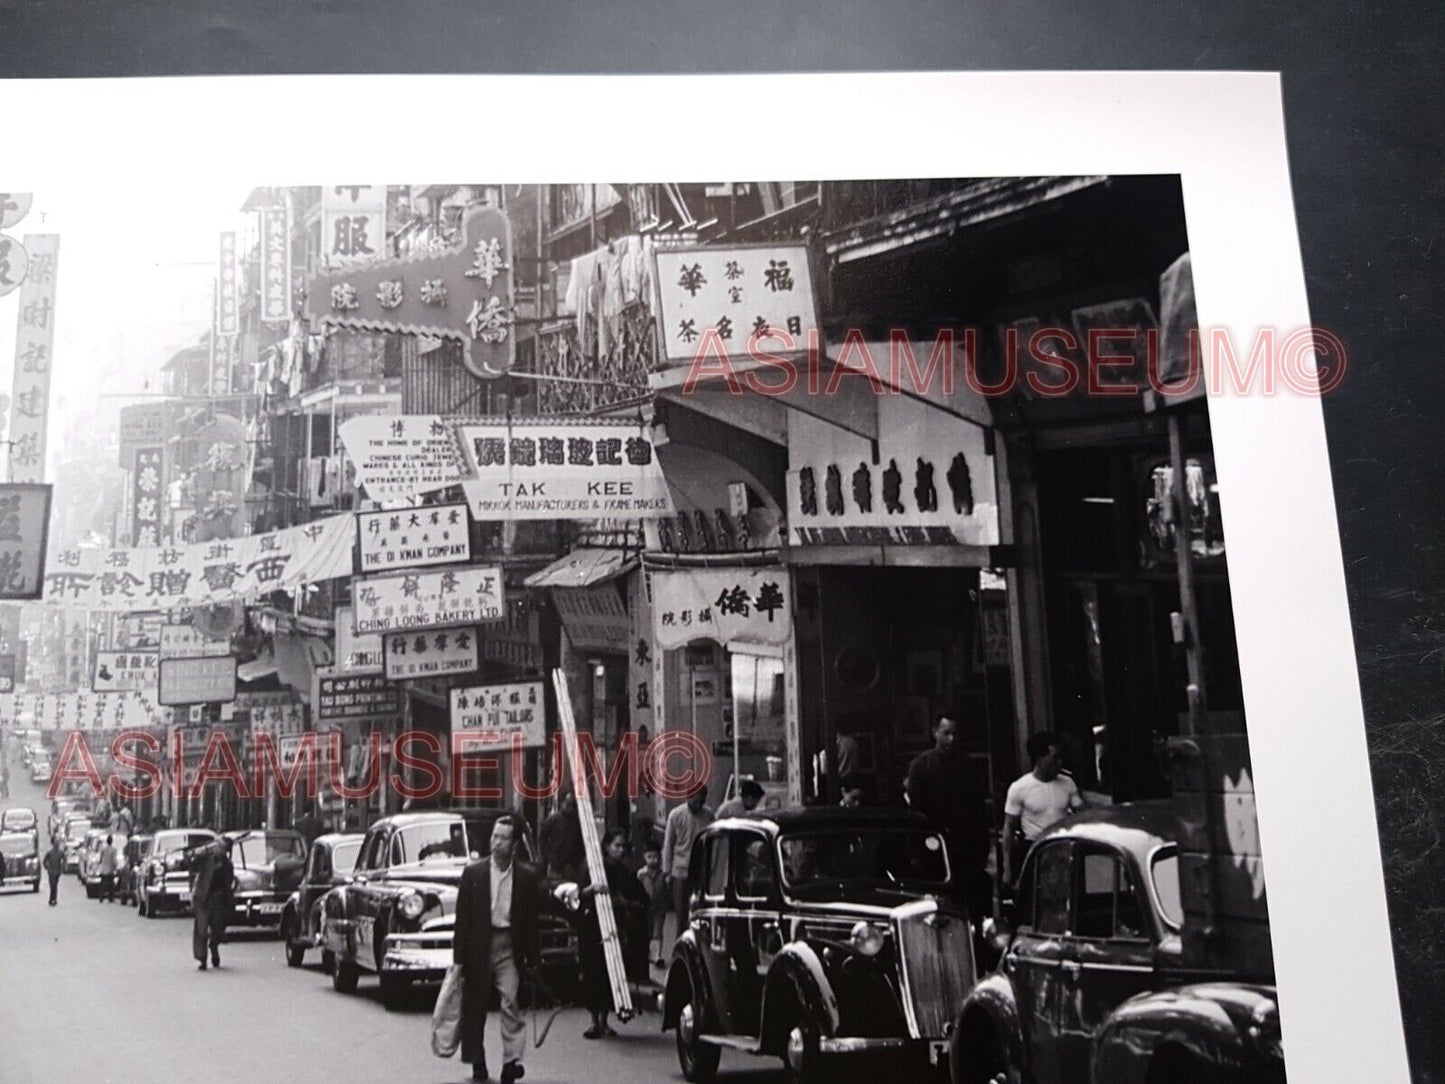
column 867, row 939
column 412, row 905
column 1264, row 1029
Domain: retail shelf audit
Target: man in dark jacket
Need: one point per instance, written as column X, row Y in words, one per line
column 211, row 879
column 940, row 787
column 54, row 867
column 496, row 939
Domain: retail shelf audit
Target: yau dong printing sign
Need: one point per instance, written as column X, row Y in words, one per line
column 551, row 470
column 430, row 653
column 413, row 538
column 415, row 600
column 729, row 605
column 500, row 714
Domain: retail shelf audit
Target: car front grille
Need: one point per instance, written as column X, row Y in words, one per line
column 938, row 970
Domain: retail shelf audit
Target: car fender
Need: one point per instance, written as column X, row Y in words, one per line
column 797, row 982
column 990, row 1007
column 337, row 925
column 687, row 968
column 1207, row 1022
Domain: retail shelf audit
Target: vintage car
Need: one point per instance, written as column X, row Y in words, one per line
column 21, row 853
column 1092, row 989
column 329, row 863
column 395, row 914
column 90, row 858
column 40, row 770
column 61, row 808
column 268, row 866
column 816, row 933
column 72, row 838
column 19, row 819
column 164, row 882
column 137, row 847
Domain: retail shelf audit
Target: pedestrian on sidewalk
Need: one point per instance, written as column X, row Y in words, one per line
column 211, row 901
column 495, row 940
column 54, row 867
column 107, row 870
column 629, row 910
column 653, row 882
column 683, row 825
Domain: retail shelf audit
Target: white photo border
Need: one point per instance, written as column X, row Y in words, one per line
column 1223, row 133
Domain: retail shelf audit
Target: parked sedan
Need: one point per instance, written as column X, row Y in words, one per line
column 137, row 848
column 21, row 852
column 817, row 934
column 329, row 863
column 90, row 858
column 1093, row 987
column 268, row 867
column 72, row 839
column 165, row 881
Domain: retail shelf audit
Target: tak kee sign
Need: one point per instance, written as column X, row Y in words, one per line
column 463, row 294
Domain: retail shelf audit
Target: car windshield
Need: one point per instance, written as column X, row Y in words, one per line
column 77, row 829
column 883, row 855
column 343, row 856
column 17, row 845
column 179, row 842
column 263, row 848
column 17, row 818
column 422, row 842
column 1165, row 873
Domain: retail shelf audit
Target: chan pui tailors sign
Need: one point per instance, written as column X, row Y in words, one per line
column 500, row 716
column 729, row 605
column 430, row 653
column 413, row 537
column 425, row 599
column 550, row 469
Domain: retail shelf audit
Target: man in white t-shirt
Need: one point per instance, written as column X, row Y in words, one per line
column 1036, row 800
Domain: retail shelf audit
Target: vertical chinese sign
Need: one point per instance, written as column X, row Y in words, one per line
column 145, row 481
column 227, row 322
column 24, row 525
column 353, row 222
column 34, row 343
column 275, row 266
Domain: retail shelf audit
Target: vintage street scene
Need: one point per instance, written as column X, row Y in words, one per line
column 623, row 631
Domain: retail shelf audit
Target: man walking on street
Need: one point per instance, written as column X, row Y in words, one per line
column 107, row 870
column 54, row 867
column 683, row 825
column 495, row 940
column 211, row 901
column 940, row 787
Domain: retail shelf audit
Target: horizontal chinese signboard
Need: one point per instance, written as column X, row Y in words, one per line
column 416, row 600
column 355, row 696
column 140, row 424
column 278, row 713
column 500, row 714
column 401, row 456
column 720, row 302
column 210, row 679
column 729, row 605
column 551, row 470
column 24, row 527
column 125, row 671
column 595, row 617
column 413, row 538
column 430, row 653
column 355, row 654
column 186, row 642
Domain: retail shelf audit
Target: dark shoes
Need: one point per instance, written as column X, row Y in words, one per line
column 512, row 1071
column 479, row 1071
column 201, row 966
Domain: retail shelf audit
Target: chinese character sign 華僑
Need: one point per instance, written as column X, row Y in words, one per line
column 732, row 605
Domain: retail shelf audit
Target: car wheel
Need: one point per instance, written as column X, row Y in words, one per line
column 35, row 886
column 344, row 977
column 295, row 953
column 978, row 1058
column 697, row 1059
column 393, row 991
column 801, row 1059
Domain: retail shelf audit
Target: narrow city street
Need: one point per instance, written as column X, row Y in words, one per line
column 103, row 996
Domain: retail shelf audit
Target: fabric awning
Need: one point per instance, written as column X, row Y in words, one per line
column 583, row 567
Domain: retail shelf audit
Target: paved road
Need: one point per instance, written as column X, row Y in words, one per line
column 91, row 992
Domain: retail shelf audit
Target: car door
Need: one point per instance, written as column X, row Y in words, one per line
column 1110, row 952
column 1035, row 957
column 708, row 875
column 754, row 936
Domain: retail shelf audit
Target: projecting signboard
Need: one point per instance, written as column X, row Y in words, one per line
column 125, row 671
column 355, row 696
column 413, row 538
column 401, row 456
column 185, row 642
column 24, row 531
column 210, row 679
column 416, row 600
column 430, row 653
column 499, row 715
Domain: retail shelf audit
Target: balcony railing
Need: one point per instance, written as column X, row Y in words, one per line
column 589, row 378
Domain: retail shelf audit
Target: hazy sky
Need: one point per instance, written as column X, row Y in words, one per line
column 135, row 279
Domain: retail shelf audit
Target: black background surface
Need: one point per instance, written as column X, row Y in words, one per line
column 1362, row 91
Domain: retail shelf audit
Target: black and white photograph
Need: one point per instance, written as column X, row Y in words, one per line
column 717, row 629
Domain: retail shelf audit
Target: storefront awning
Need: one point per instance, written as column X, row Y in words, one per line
column 583, row 568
